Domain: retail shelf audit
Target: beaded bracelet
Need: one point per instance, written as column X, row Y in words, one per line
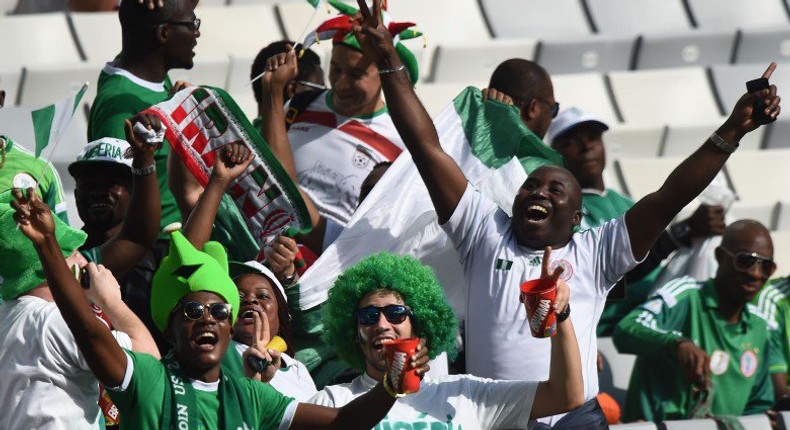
column 389, row 390
column 144, row 171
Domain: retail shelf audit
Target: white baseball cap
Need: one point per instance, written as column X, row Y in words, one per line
column 570, row 118
column 105, row 151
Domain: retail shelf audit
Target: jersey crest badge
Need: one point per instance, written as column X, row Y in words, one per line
column 748, row 363
column 719, row 361
column 565, row 264
column 361, row 157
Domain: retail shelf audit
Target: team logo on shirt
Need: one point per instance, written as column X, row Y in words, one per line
column 24, row 181
column 502, row 264
column 565, row 264
column 362, row 157
column 535, row 262
column 748, row 363
column 719, row 361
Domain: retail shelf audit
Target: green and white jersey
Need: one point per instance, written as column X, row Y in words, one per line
column 774, row 302
column 140, row 400
column 599, row 207
column 685, row 308
column 22, row 169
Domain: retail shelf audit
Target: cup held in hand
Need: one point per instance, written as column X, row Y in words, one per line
column 399, row 353
column 539, row 296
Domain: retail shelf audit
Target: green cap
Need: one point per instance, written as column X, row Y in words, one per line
column 186, row 270
column 20, row 266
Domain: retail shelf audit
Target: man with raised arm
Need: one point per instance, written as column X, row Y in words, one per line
column 499, row 252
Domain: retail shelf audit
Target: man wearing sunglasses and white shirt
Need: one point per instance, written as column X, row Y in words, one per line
column 704, row 343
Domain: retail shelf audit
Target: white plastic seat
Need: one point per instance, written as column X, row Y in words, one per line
column 239, row 30
column 587, row 91
column 472, row 62
column 729, row 81
column 618, row 367
column 689, row 425
column 666, row 96
column 765, row 213
column 633, row 141
column 213, row 3
column 7, row 6
column 763, row 45
column 436, row 97
column 98, row 34
column 586, row 54
column 691, row 48
column 783, row 217
column 36, row 39
column 247, row 103
column 645, row 175
column 781, row 240
column 761, row 176
column 537, row 19
column 756, row 422
column 629, row 18
column 44, row 85
column 10, row 79
column 634, row 426
column 732, row 14
column 294, row 16
column 239, row 74
column 777, row 135
column 212, row 72
column 682, row 140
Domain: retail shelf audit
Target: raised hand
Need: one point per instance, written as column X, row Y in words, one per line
column 281, row 256
column 104, row 287
column 373, row 37
column 32, row 215
column 563, row 292
column 741, row 116
column 493, row 94
column 152, row 4
column 258, row 349
column 231, row 161
column 138, row 147
column 696, row 362
column 281, row 69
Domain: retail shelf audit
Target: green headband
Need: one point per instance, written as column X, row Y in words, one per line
column 20, row 267
column 186, row 270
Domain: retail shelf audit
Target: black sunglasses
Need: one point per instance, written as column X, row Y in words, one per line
column 193, row 25
column 195, row 310
column 395, row 314
column 743, row 261
column 555, row 108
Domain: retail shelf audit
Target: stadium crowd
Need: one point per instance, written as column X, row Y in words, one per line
column 165, row 309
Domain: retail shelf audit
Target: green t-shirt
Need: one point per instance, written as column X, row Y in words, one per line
column 120, row 96
column 141, row 404
column 22, row 168
column 739, row 354
column 774, row 303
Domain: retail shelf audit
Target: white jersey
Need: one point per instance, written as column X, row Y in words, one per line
column 334, row 154
column 499, row 344
column 456, row 402
column 46, row 382
column 293, row 380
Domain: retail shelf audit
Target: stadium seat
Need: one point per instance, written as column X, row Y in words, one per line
column 729, row 81
column 36, row 39
column 781, row 241
column 755, row 422
column 783, row 217
column 634, row 426
column 239, row 30
column 294, row 17
column 629, row 18
column 213, row 3
column 538, row 19
column 777, row 135
column 732, row 14
column 682, row 140
column 761, row 176
column 586, row 54
column 207, row 71
column 691, row 48
column 10, row 78
column 666, row 96
column 784, row 420
column 616, row 373
column 765, row 213
column 472, row 62
column 763, row 45
column 7, row 6
column 633, row 141
column 688, row 425
column 645, row 175
column 98, row 34
column 44, row 85
column 239, row 74
column 436, row 96
column 587, row 91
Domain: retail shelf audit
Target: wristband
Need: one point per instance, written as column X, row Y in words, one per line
column 393, row 70
column 562, row 316
column 289, row 281
column 144, row 171
column 722, row 144
column 388, row 388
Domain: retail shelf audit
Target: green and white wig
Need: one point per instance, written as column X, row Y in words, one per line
column 414, row 282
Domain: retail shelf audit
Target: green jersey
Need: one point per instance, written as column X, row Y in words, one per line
column 120, row 96
column 774, row 302
column 684, row 308
column 141, row 403
column 22, row 169
column 598, row 208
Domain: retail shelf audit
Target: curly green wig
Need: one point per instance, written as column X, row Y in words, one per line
column 417, row 285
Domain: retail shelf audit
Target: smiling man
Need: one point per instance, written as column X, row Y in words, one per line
column 694, row 337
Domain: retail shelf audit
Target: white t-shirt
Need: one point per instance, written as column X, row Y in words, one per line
column 293, row 380
column 334, row 154
column 498, row 341
column 46, row 382
column 457, row 401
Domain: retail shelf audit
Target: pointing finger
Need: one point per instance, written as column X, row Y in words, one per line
column 770, row 70
column 546, row 261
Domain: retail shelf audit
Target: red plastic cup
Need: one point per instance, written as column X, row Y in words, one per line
column 399, row 353
column 539, row 296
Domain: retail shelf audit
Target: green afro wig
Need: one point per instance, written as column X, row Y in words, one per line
column 417, row 285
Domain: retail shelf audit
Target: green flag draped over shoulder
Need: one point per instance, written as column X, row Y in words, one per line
column 493, row 148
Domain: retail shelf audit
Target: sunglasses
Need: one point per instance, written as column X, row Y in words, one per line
column 196, row 310
column 744, row 261
column 193, row 25
column 555, row 107
column 395, row 314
